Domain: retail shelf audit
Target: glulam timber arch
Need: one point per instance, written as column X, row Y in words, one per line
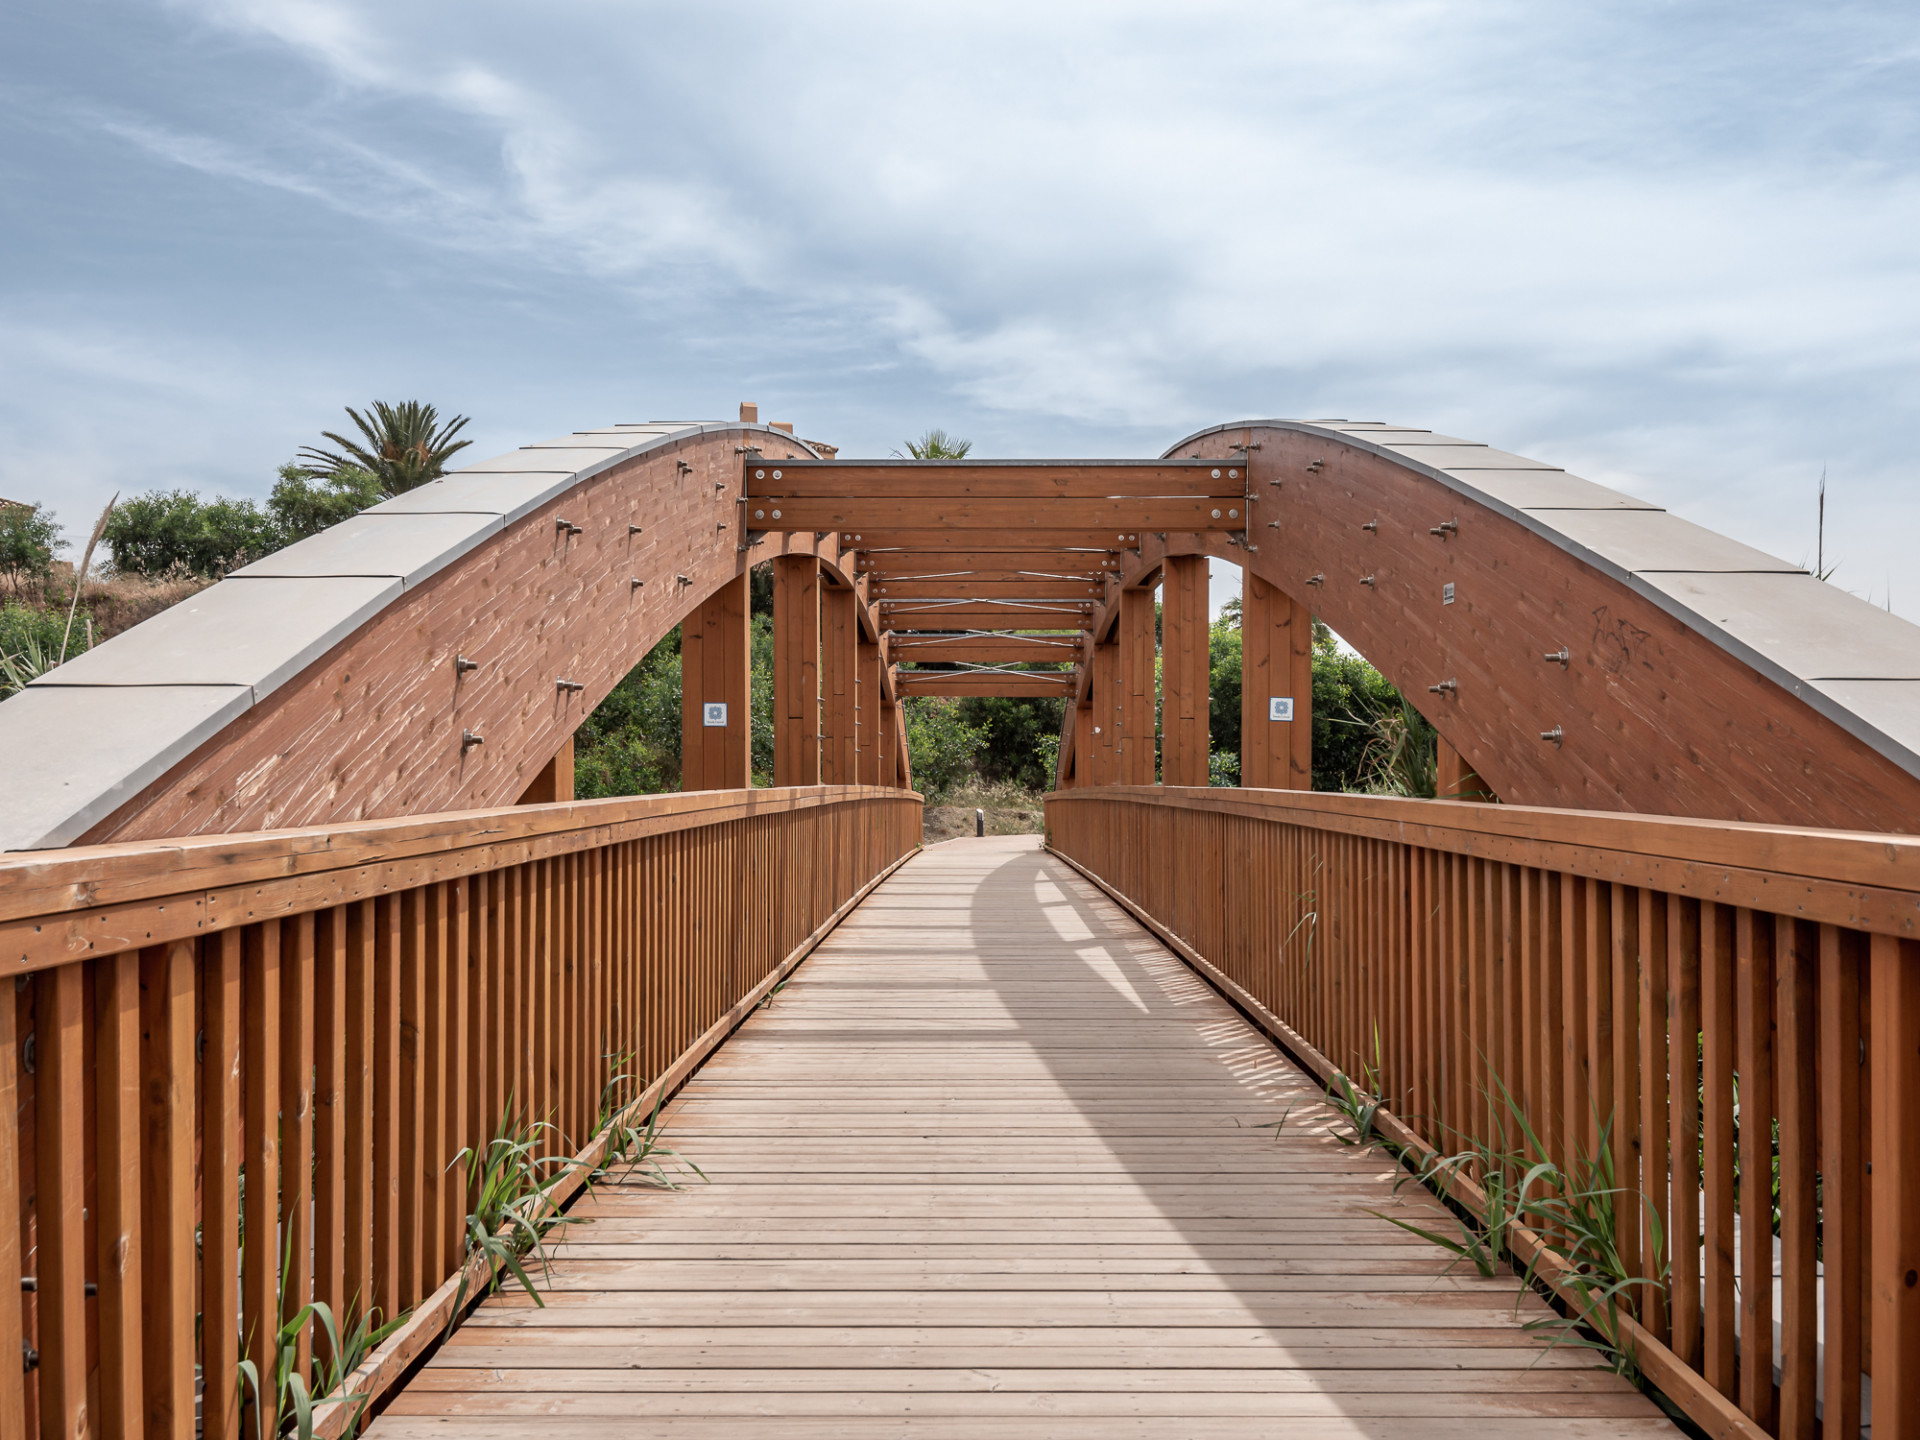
column 1700, row 677
column 430, row 654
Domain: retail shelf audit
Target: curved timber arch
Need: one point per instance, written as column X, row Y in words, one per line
column 325, row 683
column 1702, row 677
column 1577, row 647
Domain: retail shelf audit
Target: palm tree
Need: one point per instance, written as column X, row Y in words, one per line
column 402, row 449
column 938, row 445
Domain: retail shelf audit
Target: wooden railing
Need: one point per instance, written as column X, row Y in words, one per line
column 292, row 1035
column 1671, row 985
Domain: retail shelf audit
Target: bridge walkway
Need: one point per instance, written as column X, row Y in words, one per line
column 996, row 1164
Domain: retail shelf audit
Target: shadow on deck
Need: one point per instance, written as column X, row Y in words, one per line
column 995, row 1163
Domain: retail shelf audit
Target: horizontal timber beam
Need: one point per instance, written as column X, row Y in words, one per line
column 985, row 649
column 1031, row 514
column 1014, row 479
column 985, row 682
column 900, row 534
column 943, row 559
column 965, row 587
column 982, row 615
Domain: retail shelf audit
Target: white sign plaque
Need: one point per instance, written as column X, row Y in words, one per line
column 714, row 712
column 1280, row 707
column 1446, row 593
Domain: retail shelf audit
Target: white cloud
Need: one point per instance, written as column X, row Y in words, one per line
column 1668, row 244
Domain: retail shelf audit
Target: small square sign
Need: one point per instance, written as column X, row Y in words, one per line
column 1446, row 593
column 1280, row 707
column 714, row 712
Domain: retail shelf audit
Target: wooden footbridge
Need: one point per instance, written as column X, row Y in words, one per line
column 325, row 989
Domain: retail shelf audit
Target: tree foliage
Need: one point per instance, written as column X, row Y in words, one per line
column 1012, row 735
column 942, row 746
column 29, row 541
column 401, row 446
column 938, row 445
column 630, row 744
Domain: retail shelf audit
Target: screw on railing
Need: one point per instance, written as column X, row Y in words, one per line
column 1556, row 735
column 1445, row 687
column 468, row 740
column 568, row 526
column 1562, row 656
column 461, row 665
column 1445, row 528
column 573, row 687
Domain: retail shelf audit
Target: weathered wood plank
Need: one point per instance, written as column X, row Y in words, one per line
column 993, row 1128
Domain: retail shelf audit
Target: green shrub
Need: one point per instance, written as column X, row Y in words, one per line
column 304, row 503
column 29, row 540
column 175, row 530
column 630, row 744
column 941, row 745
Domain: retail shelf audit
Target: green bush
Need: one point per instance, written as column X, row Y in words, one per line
column 175, row 530
column 941, row 745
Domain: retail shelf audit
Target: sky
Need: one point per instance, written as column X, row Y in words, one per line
column 1672, row 247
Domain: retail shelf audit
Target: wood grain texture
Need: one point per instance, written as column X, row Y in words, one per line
column 1658, row 719
column 716, row 664
column 993, row 1163
column 373, row 728
column 1184, row 691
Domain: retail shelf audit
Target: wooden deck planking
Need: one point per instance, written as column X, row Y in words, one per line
column 992, row 1164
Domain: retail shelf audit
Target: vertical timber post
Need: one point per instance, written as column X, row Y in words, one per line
column 1276, row 681
column 867, row 728
column 1103, row 752
column 839, row 683
column 1184, row 675
column 716, row 670
column 796, row 670
column 1134, row 728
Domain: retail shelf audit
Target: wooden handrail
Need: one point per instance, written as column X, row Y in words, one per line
column 335, row 1014
column 1619, row 975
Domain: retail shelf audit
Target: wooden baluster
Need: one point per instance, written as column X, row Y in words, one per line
column 1623, row 1095
column 60, row 1198
column 1894, row 1276
column 1843, row 955
column 1796, row 952
column 458, row 1083
column 1753, row 986
column 1651, row 931
column 13, row 1390
column 329, row 1110
column 1718, row 1027
column 297, row 940
column 1576, row 998
column 220, row 1161
column 392, row 1249
column 260, row 1315
column 358, row 1098
column 432, row 1156
column 117, row 1229
column 1683, row 1069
